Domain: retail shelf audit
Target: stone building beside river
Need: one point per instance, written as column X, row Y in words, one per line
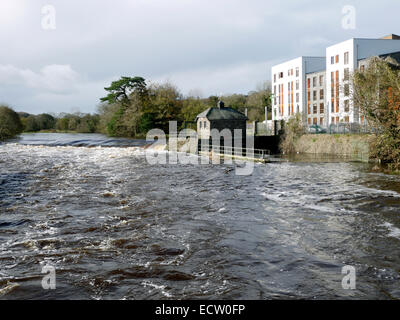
column 220, row 118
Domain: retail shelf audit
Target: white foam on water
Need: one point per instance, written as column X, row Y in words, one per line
column 8, row 288
column 160, row 288
column 394, row 232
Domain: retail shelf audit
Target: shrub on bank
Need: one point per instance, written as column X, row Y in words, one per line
column 293, row 130
column 10, row 123
column 377, row 91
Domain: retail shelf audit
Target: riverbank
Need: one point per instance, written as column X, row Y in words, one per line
column 354, row 146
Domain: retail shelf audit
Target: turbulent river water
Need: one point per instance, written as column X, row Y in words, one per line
column 116, row 227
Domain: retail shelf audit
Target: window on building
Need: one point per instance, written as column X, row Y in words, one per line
column 362, row 68
column 201, row 123
column 346, row 106
column 332, row 60
column 346, row 90
column 337, row 119
column 333, row 120
column 347, row 119
column 321, row 108
column 315, row 121
column 297, row 71
column 309, row 121
column 321, row 94
column 288, row 73
column 346, row 74
column 337, row 59
column 315, row 95
column 297, row 85
column 274, row 77
column 321, row 81
column 314, row 81
column 297, row 97
column 346, row 58
column 280, row 75
column 205, row 125
column 321, row 121
column 315, row 108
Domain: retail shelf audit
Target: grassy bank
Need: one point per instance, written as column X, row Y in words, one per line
column 354, row 145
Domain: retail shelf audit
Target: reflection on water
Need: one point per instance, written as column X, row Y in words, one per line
column 116, row 227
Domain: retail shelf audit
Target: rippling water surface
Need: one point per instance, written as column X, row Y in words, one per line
column 116, row 227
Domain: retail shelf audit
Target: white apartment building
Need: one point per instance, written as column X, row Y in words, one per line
column 341, row 60
column 316, row 91
column 288, row 85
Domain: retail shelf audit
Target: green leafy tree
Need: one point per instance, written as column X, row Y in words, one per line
column 131, row 97
column 192, row 107
column 376, row 92
column 31, row 124
column 45, row 121
column 10, row 123
column 165, row 104
column 121, row 90
column 293, row 130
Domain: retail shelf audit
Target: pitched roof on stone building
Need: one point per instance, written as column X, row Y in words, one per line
column 221, row 113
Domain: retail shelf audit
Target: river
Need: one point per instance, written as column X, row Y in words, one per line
column 116, row 227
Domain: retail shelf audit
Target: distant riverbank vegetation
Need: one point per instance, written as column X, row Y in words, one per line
column 132, row 107
column 77, row 122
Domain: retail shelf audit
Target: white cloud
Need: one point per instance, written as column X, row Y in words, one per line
column 240, row 78
column 60, row 79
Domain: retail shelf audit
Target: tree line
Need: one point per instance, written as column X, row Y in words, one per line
column 14, row 123
column 131, row 108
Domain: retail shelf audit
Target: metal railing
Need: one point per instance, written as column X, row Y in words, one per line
column 341, row 128
column 237, row 151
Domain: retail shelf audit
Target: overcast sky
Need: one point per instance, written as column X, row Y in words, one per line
column 204, row 47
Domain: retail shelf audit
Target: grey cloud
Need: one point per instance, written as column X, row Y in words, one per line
column 213, row 46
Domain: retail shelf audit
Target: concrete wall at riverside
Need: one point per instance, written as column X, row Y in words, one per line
column 355, row 146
